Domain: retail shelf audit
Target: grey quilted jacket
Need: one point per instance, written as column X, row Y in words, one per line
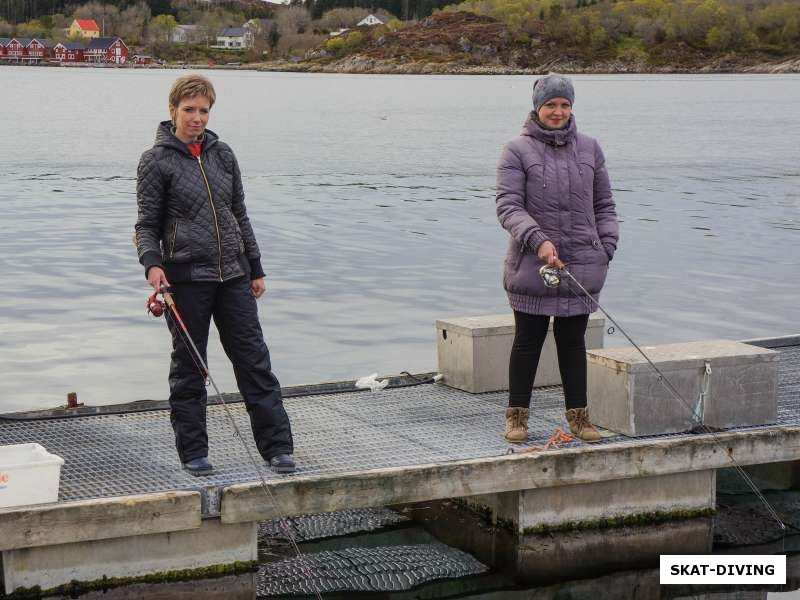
column 192, row 219
column 553, row 185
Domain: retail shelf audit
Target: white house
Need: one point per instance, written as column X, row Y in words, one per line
column 235, row 38
column 370, row 20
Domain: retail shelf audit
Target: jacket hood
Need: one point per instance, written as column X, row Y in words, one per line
column 553, row 137
column 167, row 139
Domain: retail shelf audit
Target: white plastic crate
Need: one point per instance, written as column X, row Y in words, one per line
column 29, row 474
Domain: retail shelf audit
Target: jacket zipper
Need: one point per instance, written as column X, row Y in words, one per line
column 214, row 212
column 174, row 235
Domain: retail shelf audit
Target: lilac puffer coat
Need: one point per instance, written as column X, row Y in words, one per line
column 552, row 185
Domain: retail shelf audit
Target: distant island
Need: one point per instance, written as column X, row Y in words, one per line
column 458, row 42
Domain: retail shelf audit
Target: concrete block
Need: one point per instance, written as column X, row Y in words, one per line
column 627, row 396
column 473, row 352
column 50, row 566
column 678, row 494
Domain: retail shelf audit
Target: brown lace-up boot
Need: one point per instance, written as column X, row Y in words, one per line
column 516, row 424
column 580, row 425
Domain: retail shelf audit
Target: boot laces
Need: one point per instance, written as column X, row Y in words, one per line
column 582, row 419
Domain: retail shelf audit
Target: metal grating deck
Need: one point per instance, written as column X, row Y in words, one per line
column 116, row 455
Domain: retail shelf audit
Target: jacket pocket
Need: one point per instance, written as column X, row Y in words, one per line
column 178, row 243
column 514, row 256
column 521, row 273
column 174, row 235
column 592, row 271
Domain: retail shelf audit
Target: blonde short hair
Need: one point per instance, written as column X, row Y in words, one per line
column 190, row 86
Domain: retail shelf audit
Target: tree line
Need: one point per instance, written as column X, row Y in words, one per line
column 404, row 9
column 644, row 25
column 20, row 11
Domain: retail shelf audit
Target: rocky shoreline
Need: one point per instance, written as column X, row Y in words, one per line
column 359, row 64
column 364, row 65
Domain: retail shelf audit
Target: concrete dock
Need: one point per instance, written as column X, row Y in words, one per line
column 126, row 509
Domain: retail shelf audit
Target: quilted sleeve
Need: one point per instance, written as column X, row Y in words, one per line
column 510, row 201
column 150, row 202
column 251, row 250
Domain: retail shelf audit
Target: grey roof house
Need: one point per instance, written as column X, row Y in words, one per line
column 234, row 38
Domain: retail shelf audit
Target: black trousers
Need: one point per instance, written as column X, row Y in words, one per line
column 529, row 337
column 235, row 314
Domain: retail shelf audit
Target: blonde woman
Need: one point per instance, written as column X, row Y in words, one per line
column 193, row 235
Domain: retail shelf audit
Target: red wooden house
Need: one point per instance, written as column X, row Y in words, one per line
column 69, row 52
column 15, row 50
column 3, row 44
column 37, row 50
column 107, row 50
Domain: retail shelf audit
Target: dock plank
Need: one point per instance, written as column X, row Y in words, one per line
column 98, row 519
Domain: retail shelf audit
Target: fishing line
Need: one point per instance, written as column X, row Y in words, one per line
column 552, row 278
column 172, row 312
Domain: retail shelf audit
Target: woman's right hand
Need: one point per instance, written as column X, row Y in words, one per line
column 157, row 278
column 547, row 253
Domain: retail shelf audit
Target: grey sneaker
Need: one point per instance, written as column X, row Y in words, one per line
column 282, row 463
column 198, row 466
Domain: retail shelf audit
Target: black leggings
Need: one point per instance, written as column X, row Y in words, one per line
column 529, row 337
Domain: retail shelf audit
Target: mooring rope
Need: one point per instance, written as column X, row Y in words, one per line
column 554, row 441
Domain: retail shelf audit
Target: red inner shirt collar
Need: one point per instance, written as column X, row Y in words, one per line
column 195, row 148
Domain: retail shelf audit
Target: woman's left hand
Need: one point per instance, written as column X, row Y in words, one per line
column 258, row 287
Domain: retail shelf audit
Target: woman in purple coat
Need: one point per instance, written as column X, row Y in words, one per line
column 554, row 198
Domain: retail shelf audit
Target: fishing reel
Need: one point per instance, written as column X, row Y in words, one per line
column 551, row 276
column 155, row 306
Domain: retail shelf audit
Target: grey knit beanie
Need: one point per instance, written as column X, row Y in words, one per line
column 552, row 86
